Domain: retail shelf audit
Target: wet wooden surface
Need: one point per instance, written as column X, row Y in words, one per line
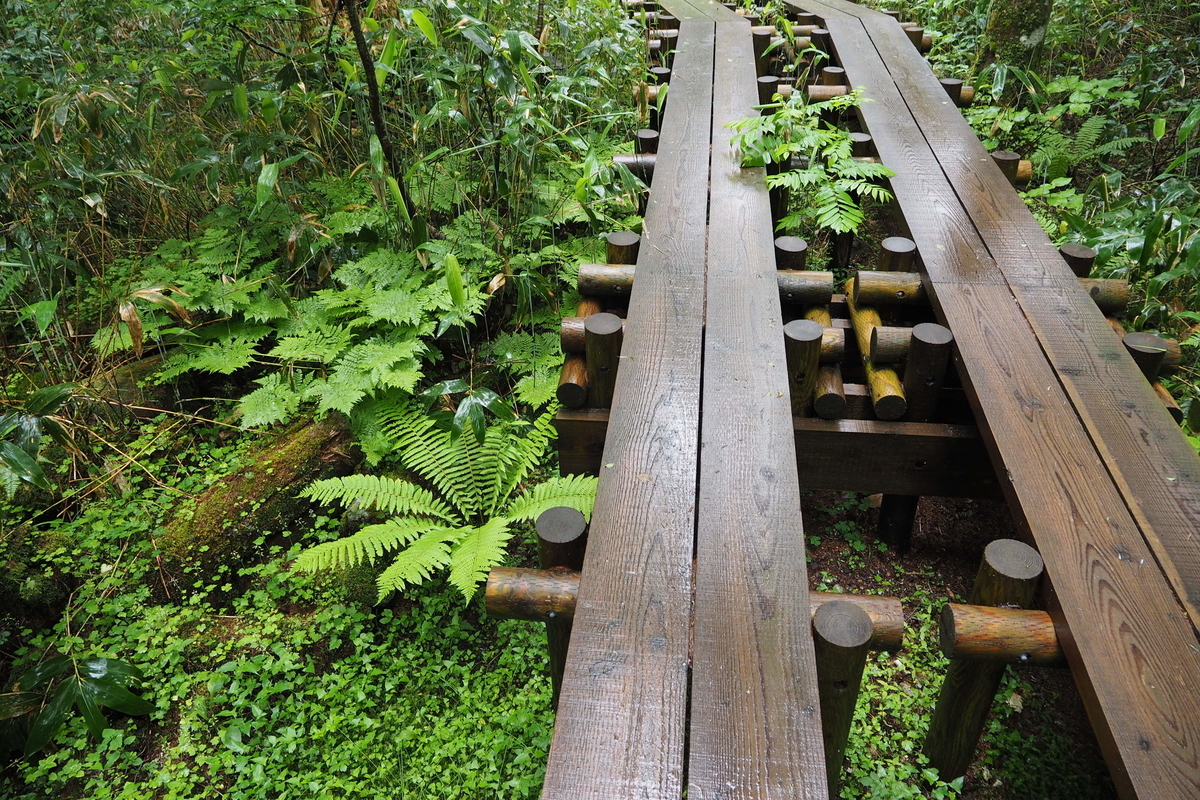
column 620, row 729
column 755, row 720
column 1093, row 468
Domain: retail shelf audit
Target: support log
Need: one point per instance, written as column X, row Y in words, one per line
column 887, row 394
column 603, row 334
column 1006, row 635
column 841, row 637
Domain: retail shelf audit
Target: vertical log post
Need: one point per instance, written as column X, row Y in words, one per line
column 1008, row 576
column 829, row 393
column 791, row 252
column 1008, row 162
column 646, row 141
column 924, row 375
column 841, row 638
column 896, row 254
column 622, row 247
column 1148, row 351
column 761, row 40
column 562, row 539
column 887, row 393
column 572, row 383
column 1079, row 258
column 953, row 87
column 602, row 336
column 802, row 343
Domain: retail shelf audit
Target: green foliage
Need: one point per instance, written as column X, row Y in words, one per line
column 1059, row 155
column 467, row 528
column 21, row 434
column 816, row 162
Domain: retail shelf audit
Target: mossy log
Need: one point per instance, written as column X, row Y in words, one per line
column 261, row 494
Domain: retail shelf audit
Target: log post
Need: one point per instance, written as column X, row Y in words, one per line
column 863, row 145
column 896, row 254
column 1008, row 576
column 802, row 343
column 887, row 394
column 603, row 334
column 916, row 35
column 833, row 76
column 1079, row 258
column 1008, row 162
column 924, row 375
column 791, row 253
column 767, row 86
column 1008, row 635
column 1148, row 352
column 622, row 247
column 562, row 540
column 646, row 141
column 841, row 640
column 829, row 392
column 889, row 345
column 953, row 87
column 572, row 383
column 761, row 40
column 659, row 75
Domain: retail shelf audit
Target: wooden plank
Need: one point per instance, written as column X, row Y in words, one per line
column 849, row 455
column 620, row 726
column 755, row 720
column 1152, row 463
column 893, row 458
column 1132, row 651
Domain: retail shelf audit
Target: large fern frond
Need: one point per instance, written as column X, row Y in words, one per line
column 419, row 560
column 368, row 544
column 515, row 457
column 446, row 462
column 392, row 495
column 476, row 553
column 575, row 491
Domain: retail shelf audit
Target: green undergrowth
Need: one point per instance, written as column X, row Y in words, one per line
column 265, row 682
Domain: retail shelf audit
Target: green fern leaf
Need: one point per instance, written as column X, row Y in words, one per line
column 416, row 563
column 476, row 553
column 575, row 491
column 390, row 495
column 368, row 544
column 433, row 454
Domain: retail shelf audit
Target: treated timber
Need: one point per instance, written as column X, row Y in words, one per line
column 755, row 726
column 1155, row 468
column 1132, row 651
column 845, row 455
column 621, row 718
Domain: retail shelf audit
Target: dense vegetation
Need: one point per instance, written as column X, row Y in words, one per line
column 221, row 221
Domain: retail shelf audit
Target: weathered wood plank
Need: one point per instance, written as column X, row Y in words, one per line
column 620, row 725
column 755, row 719
column 1133, row 653
column 1156, row 469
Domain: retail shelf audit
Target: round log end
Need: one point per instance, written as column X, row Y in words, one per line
column 1079, row 258
column 843, row 624
column 560, row 525
column 602, row 324
column 863, row 144
column 890, row 407
column 571, row 395
column 932, row 334
column 647, row 140
column 791, row 252
column 767, row 86
column 622, row 247
column 804, row 330
column 660, row 75
column 1013, row 559
column 829, row 405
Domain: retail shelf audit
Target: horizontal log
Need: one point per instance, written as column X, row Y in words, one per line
column 534, row 594
column 833, row 341
column 640, row 164
column 573, row 383
column 887, row 393
column 818, row 92
column 1111, row 295
column 876, row 288
column 850, row 455
column 804, row 287
column 990, row 633
column 889, row 345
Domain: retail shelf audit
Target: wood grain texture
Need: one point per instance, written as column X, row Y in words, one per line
column 1131, row 647
column 620, row 726
column 755, row 720
column 1152, row 464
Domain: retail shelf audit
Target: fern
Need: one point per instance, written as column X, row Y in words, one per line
column 1058, row 155
column 383, row 494
column 469, row 525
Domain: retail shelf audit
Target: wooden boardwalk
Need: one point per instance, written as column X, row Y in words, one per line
column 691, row 663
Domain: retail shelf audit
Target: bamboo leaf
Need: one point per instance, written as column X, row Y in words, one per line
column 425, row 26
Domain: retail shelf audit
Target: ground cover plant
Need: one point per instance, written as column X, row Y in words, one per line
column 220, row 221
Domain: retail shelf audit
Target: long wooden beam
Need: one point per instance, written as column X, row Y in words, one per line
column 620, row 728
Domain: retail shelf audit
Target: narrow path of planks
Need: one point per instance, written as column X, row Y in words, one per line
column 755, row 730
column 619, row 732
column 754, row 712
column 1070, row 423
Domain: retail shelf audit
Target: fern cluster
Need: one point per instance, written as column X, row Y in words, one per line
column 463, row 520
column 829, row 180
column 1058, row 154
